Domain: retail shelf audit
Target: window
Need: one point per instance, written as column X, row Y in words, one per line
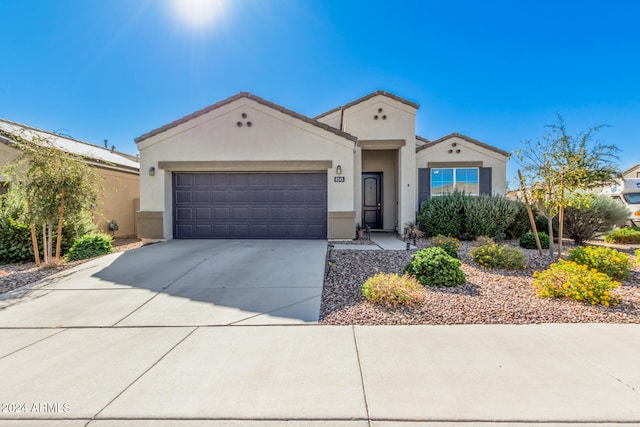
column 447, row 180
column 632, row 198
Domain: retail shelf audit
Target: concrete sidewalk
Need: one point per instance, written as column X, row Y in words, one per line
column 381, row 240
column 311, row 376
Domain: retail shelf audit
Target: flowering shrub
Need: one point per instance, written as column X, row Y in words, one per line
column 392, row 290
column 528, row 240
column 434, row 267
column 483, row 240
column 449, row 244
column 498, row 256
column 609, row 261
column 626, row 235
column 571, row 280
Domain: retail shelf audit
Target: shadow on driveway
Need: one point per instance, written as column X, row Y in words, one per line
column 183, row 283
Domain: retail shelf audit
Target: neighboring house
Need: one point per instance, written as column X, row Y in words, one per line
column 248, row 168
column 632, row 172
column 121, row 173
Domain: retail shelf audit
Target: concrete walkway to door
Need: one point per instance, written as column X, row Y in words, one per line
column 181, row 283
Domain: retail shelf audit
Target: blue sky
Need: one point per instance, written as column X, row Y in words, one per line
column 497, row 71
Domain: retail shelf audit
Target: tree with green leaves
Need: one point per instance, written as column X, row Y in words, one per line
column 53, row 185
column 559, row 165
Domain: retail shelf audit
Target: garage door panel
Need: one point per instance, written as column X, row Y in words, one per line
column 184, row 214
column 259, row 214
column 202, row 180
column 184, row 180
column 183, row 196
column 221, row 213
column 203, row 230
column 277, row 196
column 219, row 196
column 203, row 213
column 250, row 205
column 241, row 213
column 202, row 197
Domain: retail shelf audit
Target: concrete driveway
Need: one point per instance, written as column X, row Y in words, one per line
column 181, row 283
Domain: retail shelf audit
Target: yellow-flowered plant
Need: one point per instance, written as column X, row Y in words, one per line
column 451, row 245
column 392, row 290
column 498, row 256
column 606, row 260
column 572, row 280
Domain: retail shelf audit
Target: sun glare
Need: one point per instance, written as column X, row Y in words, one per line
column 198, row 14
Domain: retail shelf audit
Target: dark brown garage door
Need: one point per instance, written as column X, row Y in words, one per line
column 249, row 205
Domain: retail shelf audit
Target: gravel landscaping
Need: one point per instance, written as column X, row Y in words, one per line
column 498, row 296
column 13, row 276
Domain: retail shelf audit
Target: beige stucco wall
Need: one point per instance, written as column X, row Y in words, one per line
column 121, row 190
column 469, row 152
column 215, row 136
column 399, row 125
column 384, row 161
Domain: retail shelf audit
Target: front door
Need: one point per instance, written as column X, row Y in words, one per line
column 372, row 200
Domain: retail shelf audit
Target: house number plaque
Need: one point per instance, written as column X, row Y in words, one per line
column 338, row 179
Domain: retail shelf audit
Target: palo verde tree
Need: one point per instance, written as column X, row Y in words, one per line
column 53, row 184
column 559, row 165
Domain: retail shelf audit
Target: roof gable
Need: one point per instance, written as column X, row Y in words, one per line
column 252, row 97
column 429, row 144
column 369, row 96
column 88, row 151
column 631, row 169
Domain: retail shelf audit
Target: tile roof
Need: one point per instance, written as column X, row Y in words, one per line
column 371, row 95
column 466, row 138
column 252, row 97
column 101, row 155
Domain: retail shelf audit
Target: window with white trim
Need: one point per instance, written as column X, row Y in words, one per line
column 447, row 180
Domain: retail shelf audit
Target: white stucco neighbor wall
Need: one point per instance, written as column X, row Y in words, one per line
column 395, row 122
column 216, row 136
column 469, row 152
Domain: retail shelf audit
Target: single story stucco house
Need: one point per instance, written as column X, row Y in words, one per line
column 120, row 172
column 632, row 172
column 248, row 168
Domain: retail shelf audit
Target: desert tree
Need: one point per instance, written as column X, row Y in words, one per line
column 53, row 184
column 560, row 167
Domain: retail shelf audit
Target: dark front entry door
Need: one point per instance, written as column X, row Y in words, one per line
column 372, row 199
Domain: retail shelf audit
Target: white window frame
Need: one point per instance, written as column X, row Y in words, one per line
column 454, row 179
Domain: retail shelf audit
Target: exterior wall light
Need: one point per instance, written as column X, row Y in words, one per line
column 152, row 171
column 338, row 170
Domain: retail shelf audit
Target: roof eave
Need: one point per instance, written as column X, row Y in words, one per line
column 252, row 97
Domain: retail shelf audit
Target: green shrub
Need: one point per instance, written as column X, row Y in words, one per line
column 609, row 261
column 628, row 235
column 571, row 280
column 392, row 290
column 89, row 246
column 451, row 245
column 498, row 256
column 434, row 267
column 637, row 252
column 488, row 216
column 543, row 225
column 483, row 240
column 15, row 236
column 520, row 224
column 528, row 240
column 443, row 215
column 586, row 218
